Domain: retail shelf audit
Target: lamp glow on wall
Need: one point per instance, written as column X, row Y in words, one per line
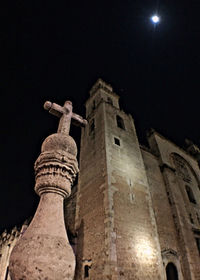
column 145, row 250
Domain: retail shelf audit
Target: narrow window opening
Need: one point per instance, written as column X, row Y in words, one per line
column 7, row 270
column 86, row 271
column 110, row 100
column 198, row 218
column 198, row 243
column 171, row 272
column 132, row 197
column 93, row 105
column 190, row 195
column 169, row 199
column 191, row 219
column 120, row 122
column 92, row 126
column 130, row 182
column 117, row 141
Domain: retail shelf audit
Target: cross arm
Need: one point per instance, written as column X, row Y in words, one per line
column 58, row 111
column 78, row 120
column 54, row 109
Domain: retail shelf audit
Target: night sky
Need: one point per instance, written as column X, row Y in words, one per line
column 56, row 50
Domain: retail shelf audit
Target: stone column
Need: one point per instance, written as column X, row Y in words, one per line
column 44, row 252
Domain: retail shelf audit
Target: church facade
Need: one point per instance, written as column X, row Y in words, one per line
column 135, row 212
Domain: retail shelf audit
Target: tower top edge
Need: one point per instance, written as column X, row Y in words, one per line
column 100, row 84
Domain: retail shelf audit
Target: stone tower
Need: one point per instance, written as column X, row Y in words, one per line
column 117, row 233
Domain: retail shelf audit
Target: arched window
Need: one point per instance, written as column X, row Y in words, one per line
column 182, row 168
column 120, row 122
column 171, row 272
column 190, row 194
column 86, row 271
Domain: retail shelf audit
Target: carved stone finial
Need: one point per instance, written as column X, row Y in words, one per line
column 43, row 251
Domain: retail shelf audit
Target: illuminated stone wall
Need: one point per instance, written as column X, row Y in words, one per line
column 134, row 214
column 92, row 185
column 169, row 171
column 117, row 235
column 137, row 247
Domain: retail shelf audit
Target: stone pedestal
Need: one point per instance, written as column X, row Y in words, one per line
column 44, row 251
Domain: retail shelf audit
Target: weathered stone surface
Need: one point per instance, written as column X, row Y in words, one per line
column 47, row 257
column 115, row 223
column 44, row 251
column 132, row 213
column 56, row 167
column 168, row 176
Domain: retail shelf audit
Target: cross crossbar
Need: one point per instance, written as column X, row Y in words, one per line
column 65, row 114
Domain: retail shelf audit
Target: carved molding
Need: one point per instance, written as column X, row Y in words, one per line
column 55, row 171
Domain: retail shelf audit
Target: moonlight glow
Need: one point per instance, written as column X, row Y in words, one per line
column 155, row 19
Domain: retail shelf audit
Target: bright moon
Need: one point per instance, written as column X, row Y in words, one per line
column 155, row 19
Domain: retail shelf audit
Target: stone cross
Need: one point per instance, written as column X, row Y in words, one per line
column 65, row 114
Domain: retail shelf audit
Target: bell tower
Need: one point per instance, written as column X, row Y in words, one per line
column 117, row 235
